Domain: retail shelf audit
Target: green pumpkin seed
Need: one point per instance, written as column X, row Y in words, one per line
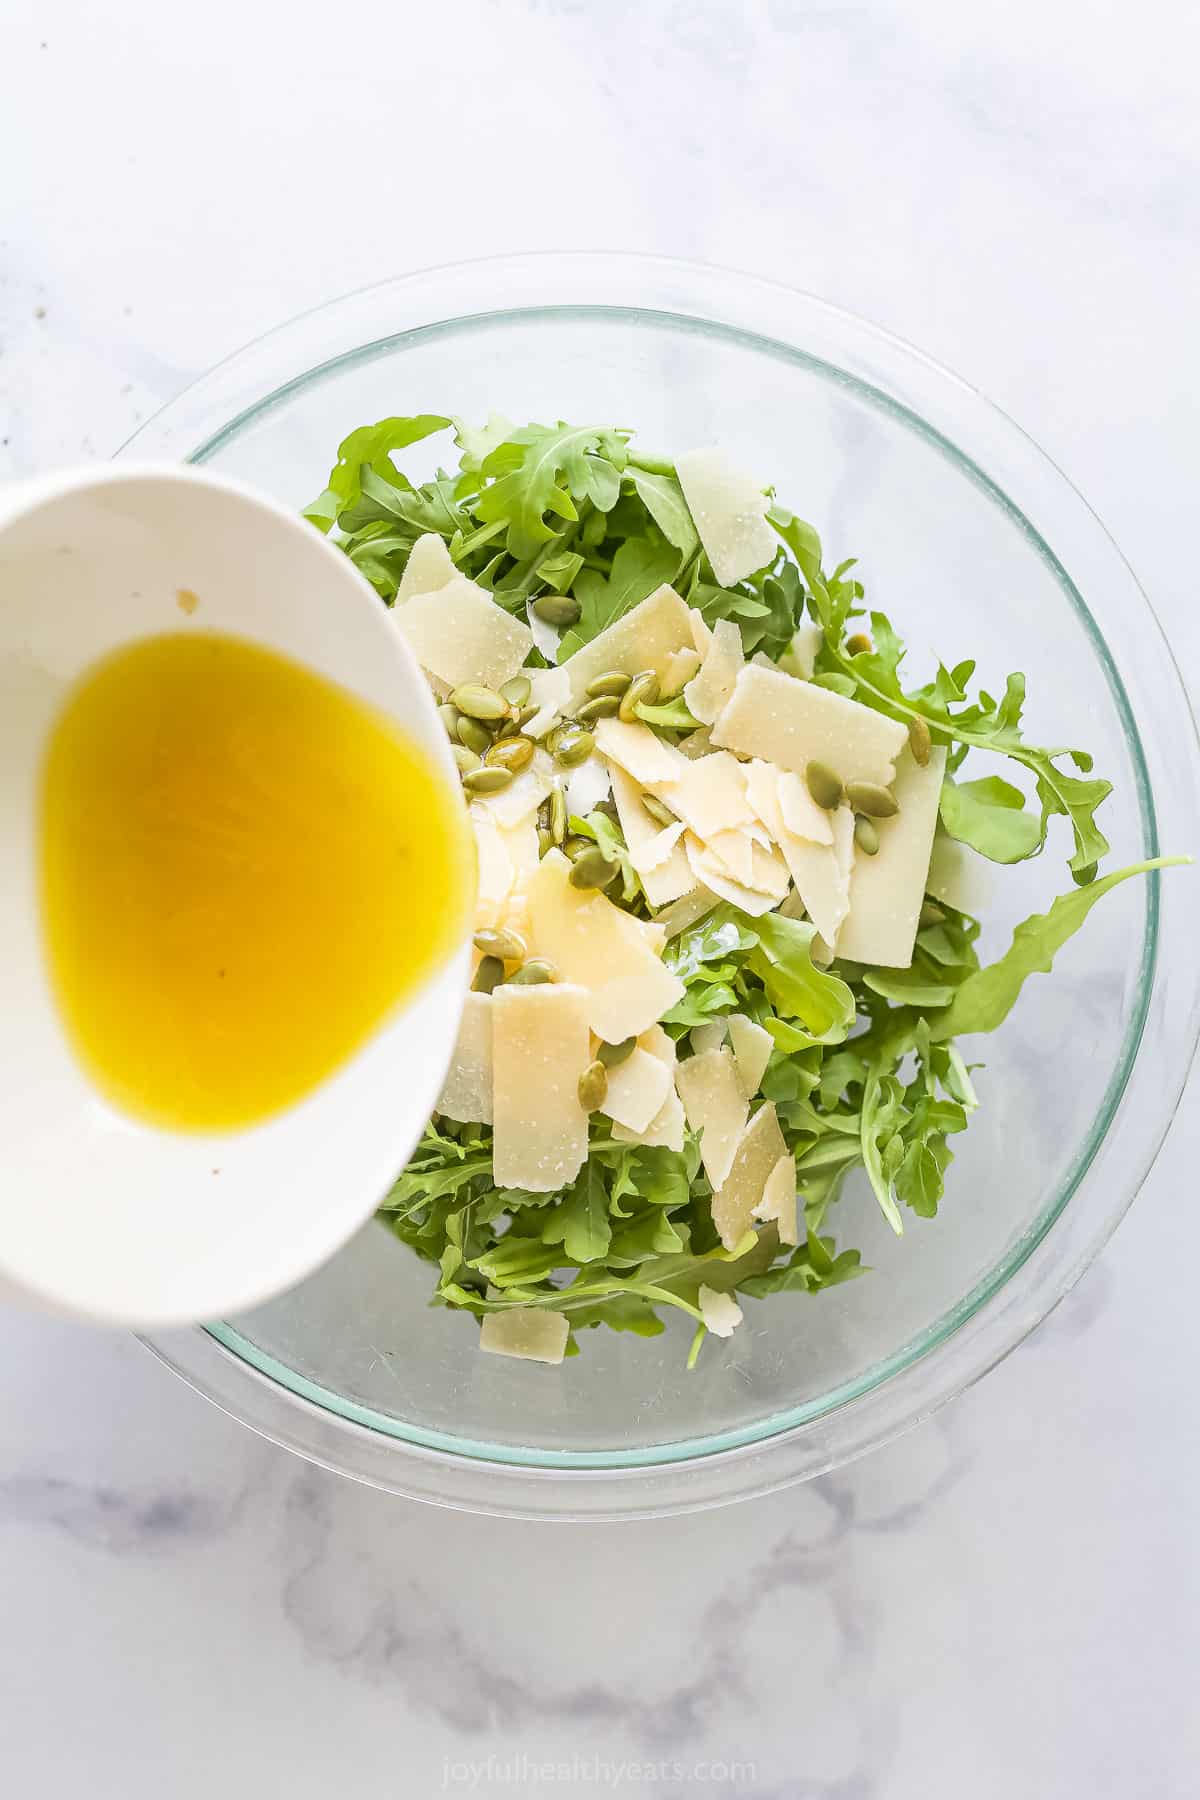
column 859, row 644
column 479, row 702
column 515, row 753
column 474, row 735
column 574, row 746
column 504, row 944
column 575, row 846
column 449, row 716
column 487, row 781
column 533, row 973
column 517, row 690
column 466, row 759
column 824, row 786
column 613, row 1055
column 558, row 815
column 866, row 836
column 488, row 975
column 591, row 869
column 919, row 742
column 593, row 1087
column 662, row 815
column 604, row 706
column 612, row 683
column 868, row 797
column 545, row 841
column 557, row 609
column 642, row 691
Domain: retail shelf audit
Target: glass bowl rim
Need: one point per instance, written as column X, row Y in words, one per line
column 701, row 298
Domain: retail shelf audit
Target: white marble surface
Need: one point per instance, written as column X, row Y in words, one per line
column 1007, row 1602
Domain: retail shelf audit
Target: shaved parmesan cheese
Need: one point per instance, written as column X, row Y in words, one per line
column 707, row 1037
column 594, row 943
column 711, row 873
column 528, row 1331
column 821, row 873
column 715, row 1107
column 702, row 636
column 663, row 877
column 467, row 1091
column 520, row 843
column 708, row 794
column 459, row 634
column 735, row 852
column 959, row 876
column 729, row 511
column 654, row 935
column 793, row 907
column 886, row 890
column 792, row 723
column 550, row 691
column 428, row 569
column 657, row 1042
column 545, row 635
column 520, row 799
column 686, row 911
column 800, row 657
column 495, row 870
column 799, row 811
column 696, row 743
column 540, row 1048
column 752, row 1046
column 680, row 666
column 637, row 1088
column 639, row 751
column 587, row 786
column 762, row 792
column 658, row 849
column 666, row 1128
column 707, row 692
column 721, row 1313
column 643, row 639
column 758, row 1152
column 779, row 1200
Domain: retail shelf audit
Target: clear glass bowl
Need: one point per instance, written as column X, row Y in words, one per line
column 976, row 546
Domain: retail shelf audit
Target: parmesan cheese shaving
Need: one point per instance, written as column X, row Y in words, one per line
column 715, row 1107
column 800, row 657
column 550, row 691
column 720, row 1312
column 959, row 876
column 658, row 849
column 540, row 1047
column 495, row 870
column 708, row 794
column 751, row 1045
column 735, row 852
column 527, row 1331
column 637, row 1089
column 799, row 812
column 707, row 1037
column 886, row 890
column 702, row 635
column 779, row 1200
column 729, row 510
column 592, row 942
column 520, row 799
column 821, row 873
column 639, row 751
column 664, row 876
column 666, row 1128
column 792, row 723
column 645, row 638
column 686, row 911
column 758, row 1152
column 710, row 873
column 587, row 786
column 545, row 635
column 679, row 668
column 467, row 1091
column 428, row 569
column 707, row 692
column 460, row 635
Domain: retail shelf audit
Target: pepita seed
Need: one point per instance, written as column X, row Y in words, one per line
column 591, row 869
column 593, row 1087
column 612, row 683
column 488, row 975
column 604, row 706
column 642, row 691
column 466, row 759
column 574, row 746
column 558, row 815
column 526, row 713
column 868, row 797
column 513, row 753
column 824, row 786
column 858, row 644
column 504, row 944
column 449, row 716
column 474, row 735
column 516, row 691
column 545, row 841
column 479, row 702
column 534, row 973
column 575, row 846
column 557, row 609
column 613, row 1055
column 865, row 835
column 919, row 742
column 662, row 815
column 487, row 781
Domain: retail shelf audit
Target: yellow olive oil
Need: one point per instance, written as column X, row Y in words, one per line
column 244, row 869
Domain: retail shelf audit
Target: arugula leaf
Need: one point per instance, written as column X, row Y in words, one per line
column 368, row 447
column 640, row 565
column 663, row 499
column 545, row 469
column 794, row 985
column 580, row 1223
column 990, row 816
column 987, row 996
